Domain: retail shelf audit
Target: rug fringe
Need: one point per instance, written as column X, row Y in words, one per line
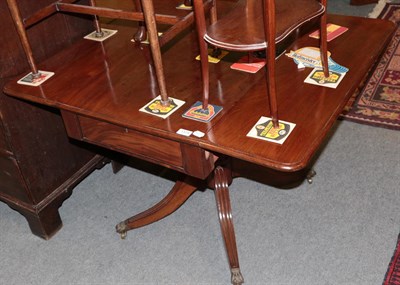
column 378, row 8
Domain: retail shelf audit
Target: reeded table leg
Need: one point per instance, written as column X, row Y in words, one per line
column 225, row 219
column 175, row 198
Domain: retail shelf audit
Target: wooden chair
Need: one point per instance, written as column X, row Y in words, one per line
column 145, row 15
column 257, row 25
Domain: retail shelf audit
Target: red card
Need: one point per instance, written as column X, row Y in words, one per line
column 333, row 31
column 243, row 64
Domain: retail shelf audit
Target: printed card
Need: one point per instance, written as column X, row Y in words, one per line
column 308, row 56
column 264, row 130
column 154, row 107
column 31, row 80
column 243, row 64
column 333, row 31
column 184, row 7
column 311, row 57
column 106, row 33
column 214, row 58
column 332, row 65
column 317, row 77
column 184, row 132
column 196, row 112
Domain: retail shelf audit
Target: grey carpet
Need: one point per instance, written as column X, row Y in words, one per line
column 342, row 229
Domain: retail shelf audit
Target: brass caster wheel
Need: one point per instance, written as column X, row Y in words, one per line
column 121, row 229
column 310, row 176
column 236, row 276
column 123, row 235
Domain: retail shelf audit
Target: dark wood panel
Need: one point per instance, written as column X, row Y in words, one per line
column 36, row 134
column 197, row 162
column 148, row 147
column 12, row 183
column 4, row 147
column 47, row 37
column 45, row 154
column 38, row 164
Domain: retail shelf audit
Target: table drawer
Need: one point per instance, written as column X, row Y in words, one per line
column 155, row 149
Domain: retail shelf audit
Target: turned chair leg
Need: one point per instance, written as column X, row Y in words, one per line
column 16, row 15
column 201, row 29
column 269, row 30
column 149, row 17
column 324, row 42
column 213, row 12
column 99, row 33
column 271, row 85
column 141, row 33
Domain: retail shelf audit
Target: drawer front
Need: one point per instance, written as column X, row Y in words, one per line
column 151, row 148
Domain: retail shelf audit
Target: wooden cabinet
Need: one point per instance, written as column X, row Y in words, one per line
column 39, row 165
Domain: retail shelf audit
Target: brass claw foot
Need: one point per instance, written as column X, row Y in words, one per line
column 236, row 277
column 121, row 229
column 310, row 176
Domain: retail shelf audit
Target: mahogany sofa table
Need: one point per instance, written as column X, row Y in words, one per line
column 100, row 87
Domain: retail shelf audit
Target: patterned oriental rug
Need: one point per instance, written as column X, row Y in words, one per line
column 393, row 274
column 378, row 103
